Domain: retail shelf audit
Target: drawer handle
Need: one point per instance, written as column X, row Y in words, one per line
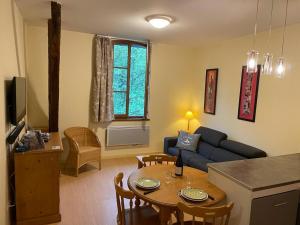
column 280, row 204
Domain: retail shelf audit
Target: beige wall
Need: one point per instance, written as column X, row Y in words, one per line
column 12, row 63
column 177, row 84
column 277, row 125
column 170, row 95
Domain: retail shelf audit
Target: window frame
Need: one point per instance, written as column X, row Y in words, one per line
column 126, row 117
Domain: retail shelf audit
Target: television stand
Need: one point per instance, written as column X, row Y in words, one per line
column 37, row 183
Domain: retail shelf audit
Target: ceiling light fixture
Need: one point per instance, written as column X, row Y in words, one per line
column 159, row 21
column 268, row 58
column 280, row 68
column 253, row 54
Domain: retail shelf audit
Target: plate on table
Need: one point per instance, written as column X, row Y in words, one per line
column 194, row 194
column 147, row 183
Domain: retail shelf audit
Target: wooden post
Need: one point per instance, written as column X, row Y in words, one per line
column 54, row 30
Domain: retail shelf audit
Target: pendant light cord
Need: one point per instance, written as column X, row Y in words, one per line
column 284, row 28
column 270, row 25
column 255, row 26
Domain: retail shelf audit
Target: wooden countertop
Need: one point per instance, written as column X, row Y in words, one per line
column 261, row 173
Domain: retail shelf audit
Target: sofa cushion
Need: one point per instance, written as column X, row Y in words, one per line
column 205, row 149
column 185, row 154
column 211, row 136
column 199, row 162
column 169, row 142
column 187, row 141
column 222, row 155
column 242, row 149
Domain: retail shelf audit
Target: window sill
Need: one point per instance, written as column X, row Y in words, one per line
column 130, row 119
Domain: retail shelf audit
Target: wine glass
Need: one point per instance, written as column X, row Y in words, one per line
column 188, row 183
column 168, row 177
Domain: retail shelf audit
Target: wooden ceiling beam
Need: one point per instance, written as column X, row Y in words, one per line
column 54, row 33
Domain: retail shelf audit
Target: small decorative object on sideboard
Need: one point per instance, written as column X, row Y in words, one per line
column 33, row 139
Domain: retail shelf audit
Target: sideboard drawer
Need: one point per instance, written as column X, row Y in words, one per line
column 280, row 209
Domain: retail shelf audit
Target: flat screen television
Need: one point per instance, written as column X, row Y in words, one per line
column 17, row 100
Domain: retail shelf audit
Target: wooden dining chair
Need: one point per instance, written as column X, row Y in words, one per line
column 208, row 215
column 84, row 147
column 140, row 215
column 158, row 159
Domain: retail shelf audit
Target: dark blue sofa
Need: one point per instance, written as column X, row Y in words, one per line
column 213, row 147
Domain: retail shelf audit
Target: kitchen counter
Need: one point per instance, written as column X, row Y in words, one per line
column 270, row 185
column 262, row 173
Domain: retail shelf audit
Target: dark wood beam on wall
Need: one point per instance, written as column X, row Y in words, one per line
column 54, row 30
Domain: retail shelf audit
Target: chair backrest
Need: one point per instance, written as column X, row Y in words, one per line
column 81, row 135
column 209, row 215
column 158, row 159
column 122, row 194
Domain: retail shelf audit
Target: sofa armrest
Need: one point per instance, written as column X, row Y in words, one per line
column 169, row 142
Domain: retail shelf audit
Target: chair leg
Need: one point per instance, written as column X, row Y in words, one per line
column 100, row 164
column 77, row 166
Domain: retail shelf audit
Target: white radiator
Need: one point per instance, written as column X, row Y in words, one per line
column 127, row 135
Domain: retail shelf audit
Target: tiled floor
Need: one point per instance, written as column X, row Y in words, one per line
column 89, row 199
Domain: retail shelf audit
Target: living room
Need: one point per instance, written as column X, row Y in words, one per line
column 202, row 38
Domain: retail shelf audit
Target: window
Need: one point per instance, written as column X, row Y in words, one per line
column 130, row 80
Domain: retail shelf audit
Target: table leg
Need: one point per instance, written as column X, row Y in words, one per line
column 165, row 215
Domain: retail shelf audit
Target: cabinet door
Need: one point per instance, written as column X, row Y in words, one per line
column 280, row 209
column 37, row 185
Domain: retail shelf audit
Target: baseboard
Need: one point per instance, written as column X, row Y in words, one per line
column 130, row 155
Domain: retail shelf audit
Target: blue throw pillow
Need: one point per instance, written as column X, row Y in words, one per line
column 187, row 141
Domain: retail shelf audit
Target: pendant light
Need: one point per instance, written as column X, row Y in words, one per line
column 253, row 54
column 267, row 67
column 280, row 68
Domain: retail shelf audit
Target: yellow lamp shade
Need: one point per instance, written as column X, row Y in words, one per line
column 189, row 115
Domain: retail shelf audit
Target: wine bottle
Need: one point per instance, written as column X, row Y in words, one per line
column 179, row 165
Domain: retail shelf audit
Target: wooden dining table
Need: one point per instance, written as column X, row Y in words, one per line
column 167, row 196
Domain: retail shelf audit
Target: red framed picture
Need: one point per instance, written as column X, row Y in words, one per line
column 248, row 94
column 210, row 96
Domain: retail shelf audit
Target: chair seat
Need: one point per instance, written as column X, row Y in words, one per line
column 85, row 149
column 143, row 215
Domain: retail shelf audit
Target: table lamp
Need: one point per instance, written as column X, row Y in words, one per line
column 189, row 115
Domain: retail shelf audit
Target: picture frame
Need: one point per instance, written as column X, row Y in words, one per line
column 210, row 94
column 248, row 94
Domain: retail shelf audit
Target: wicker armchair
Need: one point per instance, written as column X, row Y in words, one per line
column 84, row 147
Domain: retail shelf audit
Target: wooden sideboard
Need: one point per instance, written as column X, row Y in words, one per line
column 37, row 184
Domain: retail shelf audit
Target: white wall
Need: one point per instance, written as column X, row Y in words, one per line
column 12, row 63
column 277, row 125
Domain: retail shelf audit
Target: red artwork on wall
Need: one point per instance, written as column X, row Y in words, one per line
column 248, row 94
column 210, row 96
